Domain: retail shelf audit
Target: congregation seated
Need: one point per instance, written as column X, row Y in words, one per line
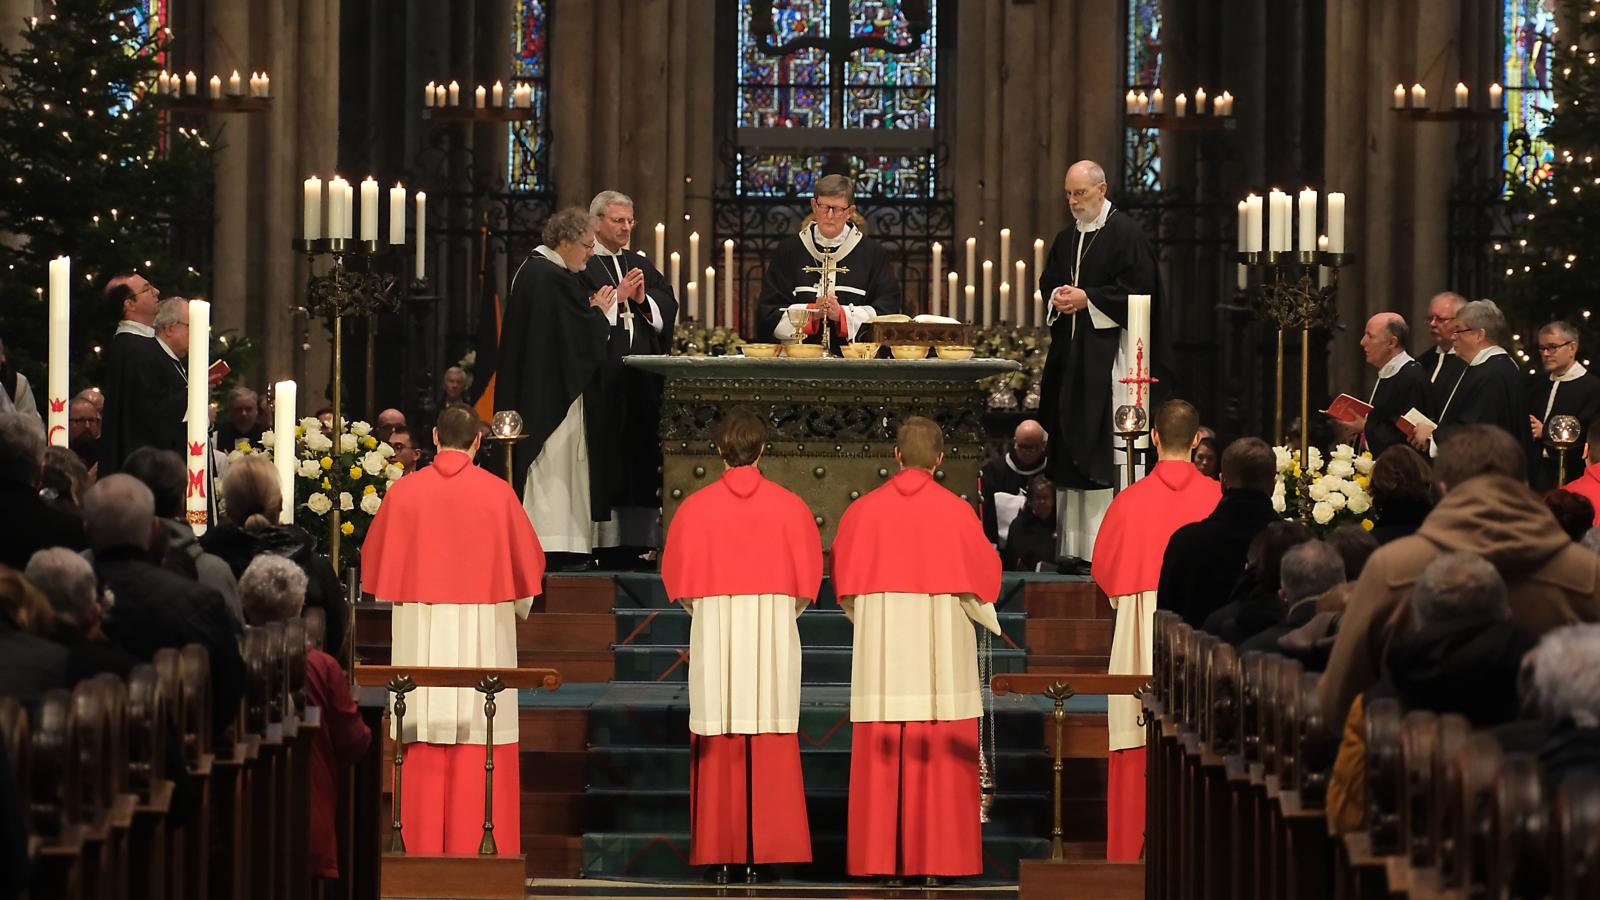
column 155, row 608
column 1563, row 670
column 30, row 663
column 68, row 581
column 29, row 523
column 273, row 589
column 63, row 480
column 1255, row 601
column 1489, row 510
column 1354, row 545
column 251, row 503
column 1309, row 571
column 164, row 473
column 1402, row 492
column 1461, row 655
column 1574, row 512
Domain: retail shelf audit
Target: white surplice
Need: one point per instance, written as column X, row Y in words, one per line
column 1132, row 646
column 470, row 635
column 916, row 656
column 744, row 664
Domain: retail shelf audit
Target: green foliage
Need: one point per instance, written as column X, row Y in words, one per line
column 1550, row 267
column 90, row 168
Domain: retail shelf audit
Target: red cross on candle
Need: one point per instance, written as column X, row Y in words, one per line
column 1137, row 378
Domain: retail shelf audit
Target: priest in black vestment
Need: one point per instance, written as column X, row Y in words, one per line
column 1491, row 390
column 555, row 369
column 1440, row 363
column 145, row 395
column 1565, row 388
column 1092, row 268
column 647, row 312
column 1402, row 385
column 869, row 289
column 1003, row 481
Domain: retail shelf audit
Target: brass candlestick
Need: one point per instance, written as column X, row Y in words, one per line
column 506, row 431
column 1563, row 432
column 1130, row 423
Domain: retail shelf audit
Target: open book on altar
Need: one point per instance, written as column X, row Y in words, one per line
column 1412, row 420
column 1346, row 408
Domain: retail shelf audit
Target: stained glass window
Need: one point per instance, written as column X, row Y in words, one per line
column 1528, row 28
column 1141, row 146
column 528, row 162
column 809, row 89
column 150, row 16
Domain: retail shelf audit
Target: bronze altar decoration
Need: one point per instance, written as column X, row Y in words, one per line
column 832, row 422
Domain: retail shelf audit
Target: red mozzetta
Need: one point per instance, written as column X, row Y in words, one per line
column 493, row 555
column 726, row 537
column 1134, row 535
column 914, row 536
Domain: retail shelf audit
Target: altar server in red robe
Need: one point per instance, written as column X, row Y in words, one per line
column 744, row 557
column 1127, row 566
column 452, row 549
column 913, row 570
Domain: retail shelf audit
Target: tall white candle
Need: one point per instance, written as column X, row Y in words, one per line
column 1275, row 212
column 1287, row 221
column 1496, row 96
column 499, row 94
column 454, row 92
column 1419, row 96
column 216, row 87
column 1142, row 106
column 727, row 283
column 677, row 274
column 1461, row 95
column 1038, row 310
column 235, row 85
column 422, row 236
column 1020, row 285
column 163, row 82
column 1005, row 251
column 1130, row 103
column 1227, row 104
column 661, row 244
column 952, row 296
column 479, row 96
column 1136, row 346
column 988, row 293
column 1243, row 240
column 427, row 94
column 1181, row 106
column 1005, row 301
column 936, row 277
column 710, row 282
column 971, row 272
column 60, row 270
column 1253, row 224
column 693, row 290
column 1038, row 260
column 349, row 210
column 266, row 85
column 1158, row 105
column 1335, row 222
column 1308, row 220
column 338, row 207
column 283, row 449
column 1399, row 96
column 971, row 315
column 191, row 84
column 369, row 209
column 397, row 214
column 311, row 227
column 440, row 96
column 1200, row 101
column 198, row 418
column 694, row 252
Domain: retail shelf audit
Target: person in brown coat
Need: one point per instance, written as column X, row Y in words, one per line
column 1489, row 510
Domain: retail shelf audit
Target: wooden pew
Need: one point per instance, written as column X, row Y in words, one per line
column 54, row 800
column 300, row 727
column 1156, row 705
column 1575, row 837
column 192, row 668
column 262, row 858
column 1519, row 862
column 1471, row 793
column 149, row 722
column 1306, row 851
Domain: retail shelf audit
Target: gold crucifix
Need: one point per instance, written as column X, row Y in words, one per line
column 827, row 273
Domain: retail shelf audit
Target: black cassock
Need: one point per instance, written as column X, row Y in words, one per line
column 634, row 405
column 1392, row 398
column 870, row 281
column 553, row 348
column 1493, row 392
column 1579, row 397
column 1075, row 396
column 146, row 397
column 1441, row 370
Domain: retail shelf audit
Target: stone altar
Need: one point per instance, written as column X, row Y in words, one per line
column 832, row 421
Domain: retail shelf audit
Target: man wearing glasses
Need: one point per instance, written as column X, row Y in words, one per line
column 1440, row 362
column 1491, row 390
column 869, row 289
column 1092, row 268
column 1566, row 388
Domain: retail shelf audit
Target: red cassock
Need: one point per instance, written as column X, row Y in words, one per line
column 912, row 566
column 744, row 557
column 1127, row 567
column 452, row 548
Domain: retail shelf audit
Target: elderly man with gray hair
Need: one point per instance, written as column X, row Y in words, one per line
column 155, row 608
column 1565, row 670
column 852, row 298
column 1491, row 389
column 68, row 581
column 1566, row 388
column 649, row 312
column 1308, row 571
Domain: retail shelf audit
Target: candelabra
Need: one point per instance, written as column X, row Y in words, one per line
column 354, row 285
column 1294, row 294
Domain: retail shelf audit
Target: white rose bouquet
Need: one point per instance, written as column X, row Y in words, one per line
column 1330, row 493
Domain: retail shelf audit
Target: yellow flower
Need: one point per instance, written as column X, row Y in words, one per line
column 1367, row 524
column 326, row 462
column 370, row 489
column 299, row 431
column 348, row 528
column 355, row 472
column 327, row 485
column 369, row 442
column 1365, row 481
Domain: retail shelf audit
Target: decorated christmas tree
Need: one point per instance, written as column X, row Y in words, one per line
column 92, row 166
column 1550, row 265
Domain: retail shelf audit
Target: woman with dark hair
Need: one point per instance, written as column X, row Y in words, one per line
column 1575, row 512
column 63, row 480
column 1207, row 457
column 1402, row 492
column 251, row 502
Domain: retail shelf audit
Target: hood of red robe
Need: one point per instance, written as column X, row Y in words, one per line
column 914, row 536
column 1134, row 534
column 451, row 533
column 742, row 534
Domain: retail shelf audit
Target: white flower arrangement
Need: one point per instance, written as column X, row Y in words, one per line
column 319, row 503
column 1334, row 494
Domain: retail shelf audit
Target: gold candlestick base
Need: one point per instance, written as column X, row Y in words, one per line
column 509, row 442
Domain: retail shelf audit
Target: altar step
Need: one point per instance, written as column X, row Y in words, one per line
column 819, row 627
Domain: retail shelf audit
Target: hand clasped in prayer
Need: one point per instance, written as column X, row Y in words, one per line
column 1069, row 299
column 604, row 299
column 829, row 306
